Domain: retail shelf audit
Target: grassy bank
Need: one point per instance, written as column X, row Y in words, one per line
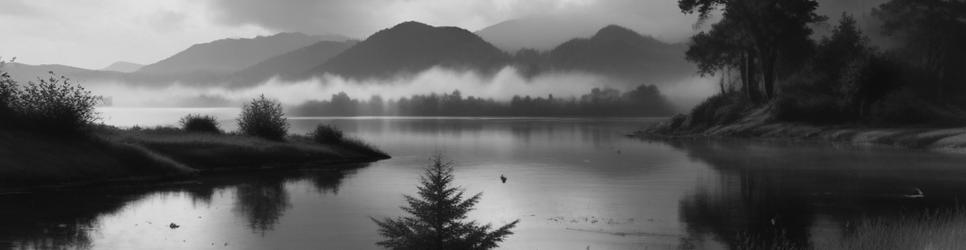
column 107, row 154
column 725, row 121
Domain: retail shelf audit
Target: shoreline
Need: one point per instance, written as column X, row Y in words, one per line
column 952, row 139
column 152, row 181
column 35, row 162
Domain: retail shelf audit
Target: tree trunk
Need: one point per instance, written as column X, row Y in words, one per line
column 751, row 86
column 768, row 72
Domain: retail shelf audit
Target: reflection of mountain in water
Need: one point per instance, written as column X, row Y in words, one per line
column 768, row 195
column 59, row 220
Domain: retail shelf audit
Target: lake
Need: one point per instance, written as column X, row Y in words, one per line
column 573, row 183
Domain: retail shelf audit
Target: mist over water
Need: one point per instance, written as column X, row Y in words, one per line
column 500, row 86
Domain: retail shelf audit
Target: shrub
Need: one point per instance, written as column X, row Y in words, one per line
column 57, row 105
column 8, row 92
column 263, row 117
column 327, row 134
column 361, row 146
column 199, row 123
column 53, row 105
column 722, row 108
column 330, row 135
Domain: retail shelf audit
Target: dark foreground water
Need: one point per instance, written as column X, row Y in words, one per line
column 573, row 183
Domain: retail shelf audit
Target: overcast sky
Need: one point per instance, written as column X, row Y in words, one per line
column 95, row 33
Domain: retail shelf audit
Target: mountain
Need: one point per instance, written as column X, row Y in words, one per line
column 540, row 33
column 229, row 55
column 412, row 47
column 292, row 63
column 124, row 67
column 334, row 38
column 622, row 54
column 25, row 72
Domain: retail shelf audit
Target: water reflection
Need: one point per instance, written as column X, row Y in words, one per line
column 574, row 183
column 262, row 201
column 770, row 195
column 71, row 219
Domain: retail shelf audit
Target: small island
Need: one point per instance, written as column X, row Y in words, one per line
column 49, row 138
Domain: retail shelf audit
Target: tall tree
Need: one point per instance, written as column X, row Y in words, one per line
column 758, row 33
column 436, row 217
column 933, row 34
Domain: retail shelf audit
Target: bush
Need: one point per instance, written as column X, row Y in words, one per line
column 722, row 108
column 53, row 105
column 361, row 146
column 199, row 123
column 327, row 134
column 330, row 135
column 8, row 92
column 263, row 117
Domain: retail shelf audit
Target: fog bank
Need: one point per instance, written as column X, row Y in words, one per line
column 501, row 86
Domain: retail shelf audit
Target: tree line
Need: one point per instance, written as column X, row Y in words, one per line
column 645, row 100
column 766, row 51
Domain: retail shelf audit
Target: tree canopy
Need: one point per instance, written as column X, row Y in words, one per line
column 754, row 37
column 932, row 34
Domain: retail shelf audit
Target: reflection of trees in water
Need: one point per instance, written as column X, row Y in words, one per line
column 262, row 202
column 749, row 211
column 523, row 131
column 327, row 182
column 59, row 220
column 55, row 220
column 768, row 196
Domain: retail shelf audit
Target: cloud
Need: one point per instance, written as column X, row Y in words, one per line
column 502, row 86
column 361, row 18
column 94, row 34
column 17, row 8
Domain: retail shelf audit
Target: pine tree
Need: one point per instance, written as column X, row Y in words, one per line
column 436, row 217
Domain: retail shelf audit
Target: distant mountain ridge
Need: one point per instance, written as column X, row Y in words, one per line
column 290, row 64
column 541, row 33
column 229, row 55
column 623, row 53
column 408, row 48
column 123, row 67
column 412, row 47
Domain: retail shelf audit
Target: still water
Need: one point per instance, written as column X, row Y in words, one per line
column 573, row 183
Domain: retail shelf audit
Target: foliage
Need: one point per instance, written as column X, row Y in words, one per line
column 931, row 34
column 9, row 91
column 753, row 36
column 719, row 109
column 357, row 145
column 53, row 104
column 842, row 81
column 645, row 100
column 327, row 134
column 199, row 123
column 263, row 117
column 436, row 217
column 330, row 135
